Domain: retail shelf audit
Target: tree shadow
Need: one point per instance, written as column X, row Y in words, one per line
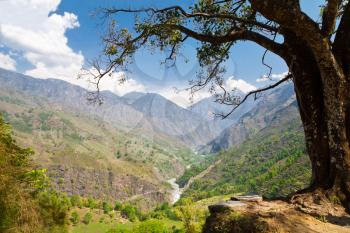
column 339, row 220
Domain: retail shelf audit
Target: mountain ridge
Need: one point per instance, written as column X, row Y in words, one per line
column 257, row 118
column 120, row 111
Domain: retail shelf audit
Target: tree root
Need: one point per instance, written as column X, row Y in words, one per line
column 318, row 203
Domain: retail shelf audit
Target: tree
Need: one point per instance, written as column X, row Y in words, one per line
column 87, row 218
column 106, row 207
column 75, row 218
column 317, row 54
column 151, row 226
column 118, row 206
column 129, row 212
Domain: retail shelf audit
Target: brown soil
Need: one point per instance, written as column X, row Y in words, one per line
column 273, row 216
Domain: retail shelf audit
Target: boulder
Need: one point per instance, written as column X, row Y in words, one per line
column 247, row 198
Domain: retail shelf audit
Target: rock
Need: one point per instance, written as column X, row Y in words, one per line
column 270, row 217
column 222, row 206
column 248, row 198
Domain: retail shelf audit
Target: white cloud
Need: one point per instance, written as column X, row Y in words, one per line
column 273, row 77
column 115, row 82
column 6, row 62
column 114, row 85
column 238, row 84
column 31, row 27
column 183, row 97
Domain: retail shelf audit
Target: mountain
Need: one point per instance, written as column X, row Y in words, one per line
column 168, row 118
column 278, row 105
column 271, row 160
column 90, row 150
column 208, row 109
column 132, row 96
column 127, row 148
column 149, row 114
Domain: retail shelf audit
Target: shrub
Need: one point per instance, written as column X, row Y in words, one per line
column 54, row 207
column 151, row 226
column 164, row 211
column 130, row 212
column 76, row 201
column 106, row 207
column 74, row 218
column 87, row 218
column 91, row 203
column 21, row 189
column 118, row 206
column 192, row 218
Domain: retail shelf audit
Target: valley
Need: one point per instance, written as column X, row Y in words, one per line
column 204, row 116
column 140, row 160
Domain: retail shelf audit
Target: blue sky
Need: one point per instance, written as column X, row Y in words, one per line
column 54, row 38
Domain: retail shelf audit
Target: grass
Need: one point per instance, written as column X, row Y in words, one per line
column 97, row 227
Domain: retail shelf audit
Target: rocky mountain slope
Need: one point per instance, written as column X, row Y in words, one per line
column 149, row 114
column 90, row 150
column 277, row 105
column 266, row 153
column 208, row 109
column 131, row 145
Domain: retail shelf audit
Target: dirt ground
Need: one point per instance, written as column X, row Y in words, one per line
column 273, row 216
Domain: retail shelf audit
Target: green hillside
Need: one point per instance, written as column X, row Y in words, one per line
column 272, row 163
column 89, row 157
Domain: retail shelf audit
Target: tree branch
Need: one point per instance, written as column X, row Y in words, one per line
column 341, row 45
column 255, row 92
column 243, row 34
column 329, row 17
column 288, row 13
column 196, row 14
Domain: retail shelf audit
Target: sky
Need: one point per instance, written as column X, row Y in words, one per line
column 56, row 38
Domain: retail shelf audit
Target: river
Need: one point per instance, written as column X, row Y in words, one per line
column 176, row 192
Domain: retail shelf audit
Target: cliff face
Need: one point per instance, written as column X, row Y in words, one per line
column 107, row 185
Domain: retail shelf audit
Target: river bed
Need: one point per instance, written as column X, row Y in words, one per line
column 176, row 190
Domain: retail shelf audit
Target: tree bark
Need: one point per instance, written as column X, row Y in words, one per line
column 322, row 91
column 308, row 89
column 322, row 107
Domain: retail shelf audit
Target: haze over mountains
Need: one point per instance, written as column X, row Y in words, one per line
column 276, row 107
column 130, row 145
column 155, row 115
column 148, row 112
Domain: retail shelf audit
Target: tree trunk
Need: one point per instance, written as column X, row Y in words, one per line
column 329, row 155
column 308, row 88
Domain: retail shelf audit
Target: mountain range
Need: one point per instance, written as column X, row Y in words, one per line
column 277, row 105
column 128, row 147
column 149, row 113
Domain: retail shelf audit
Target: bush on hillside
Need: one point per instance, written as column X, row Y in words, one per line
column 18, row 210
column 87, row 218
column 74, row 218
column 27, row 204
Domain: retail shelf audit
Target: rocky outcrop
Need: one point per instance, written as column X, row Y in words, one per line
column 270, row 216
column 106, row 185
